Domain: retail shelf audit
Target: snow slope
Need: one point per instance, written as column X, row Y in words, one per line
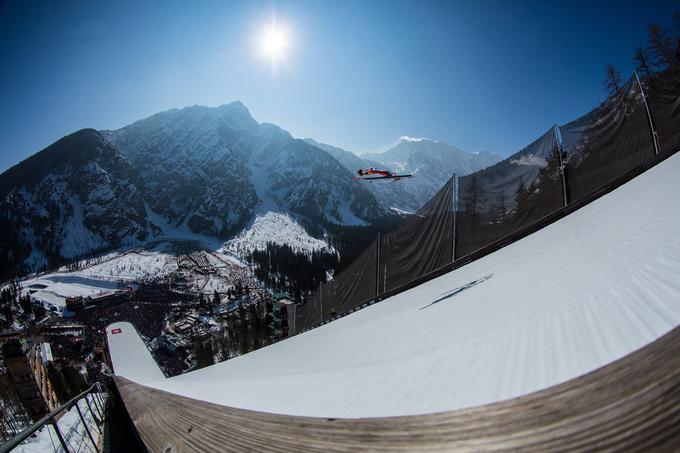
column 572, row 297
column 129, row 354
column 203, row 269
column 275, row 227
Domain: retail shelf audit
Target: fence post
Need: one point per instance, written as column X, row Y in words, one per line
column 650, row 119
column 385, row 279
column 560, row 150
column 96, row 403
column 89, row 407
column 377, row 267
column 321, row 304
column 59, row 435
column 454, row 195
column 87, row 430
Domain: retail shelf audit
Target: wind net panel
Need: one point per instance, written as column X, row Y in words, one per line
column 663, row 93
column 420, row 245
column 353, row 286
column 309, row 312
column 608, row 142
column 356, row 284
column 508, row 196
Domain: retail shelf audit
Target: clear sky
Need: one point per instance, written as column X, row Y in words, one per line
column 489, row 75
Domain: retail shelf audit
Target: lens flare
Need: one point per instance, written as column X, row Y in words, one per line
column 274, row 43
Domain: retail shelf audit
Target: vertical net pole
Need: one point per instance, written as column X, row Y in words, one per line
column 454, row 194
column 377, row 268
column 652, row 129
column 562, row 166
column 385, row 279
column 320, row 304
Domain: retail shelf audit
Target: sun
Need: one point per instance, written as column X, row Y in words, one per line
column 274, row 42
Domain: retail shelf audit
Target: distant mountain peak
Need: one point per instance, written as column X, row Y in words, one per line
column 431, row 162
column 236, row 108
column 406, row 138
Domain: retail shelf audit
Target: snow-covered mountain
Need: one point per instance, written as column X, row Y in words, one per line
column 430, row 162
column 200, row 171
column 76, row 196
column 208, row 173
column 214, row 169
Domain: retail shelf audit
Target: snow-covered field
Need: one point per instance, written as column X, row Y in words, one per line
column 203, row 270
column 53, row 289
column 572, row 297
column 73, row 430
column 204, row 266
column 278, row 228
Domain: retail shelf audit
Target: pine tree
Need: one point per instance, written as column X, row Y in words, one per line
column 612, row 80
column 475, row 196
column 9, row 316
column 500, row 208
column 25, row 303
column 676, row 16
column 641, row 60
column 661, row 47
column 521, row 192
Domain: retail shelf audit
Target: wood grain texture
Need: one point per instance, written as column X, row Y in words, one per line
column 632, row 404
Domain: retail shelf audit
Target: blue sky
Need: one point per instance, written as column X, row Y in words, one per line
column 487, row 75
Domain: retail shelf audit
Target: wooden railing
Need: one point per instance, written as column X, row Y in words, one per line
column 632, row 404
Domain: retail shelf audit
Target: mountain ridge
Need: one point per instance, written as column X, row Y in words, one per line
column 202, row 171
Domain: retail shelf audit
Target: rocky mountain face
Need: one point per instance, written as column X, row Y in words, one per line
column 213, row 172
column 430, row 162
column 75, row 196
column 198, row 170
column 213, row 169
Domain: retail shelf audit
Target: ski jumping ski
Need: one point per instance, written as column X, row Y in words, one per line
column 381, row 174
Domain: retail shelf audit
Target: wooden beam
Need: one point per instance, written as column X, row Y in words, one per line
column 632, row 404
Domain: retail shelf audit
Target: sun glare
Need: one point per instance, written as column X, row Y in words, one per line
column 274, row 43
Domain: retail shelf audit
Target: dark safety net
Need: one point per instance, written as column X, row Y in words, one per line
column 607, row 143
column 597, row 151
column 503, row 198
column 663, row 92
column 421, row 244
column 354, row 285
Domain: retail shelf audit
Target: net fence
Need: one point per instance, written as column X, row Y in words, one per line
column 510, row 195
column 608, row 142
column 421, row 244
column 664, row 103
column 627, row 133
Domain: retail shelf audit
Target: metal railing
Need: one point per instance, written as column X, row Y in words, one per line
column 97, row 411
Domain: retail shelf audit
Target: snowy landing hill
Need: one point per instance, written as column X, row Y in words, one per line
column 431, row 163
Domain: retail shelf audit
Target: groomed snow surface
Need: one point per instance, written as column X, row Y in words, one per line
column 570, row 298
column 129, row 354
